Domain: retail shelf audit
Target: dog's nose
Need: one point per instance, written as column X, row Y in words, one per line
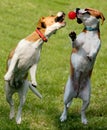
column 77, row 10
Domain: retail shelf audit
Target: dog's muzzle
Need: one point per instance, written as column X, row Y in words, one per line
column 60, row 17
column 79, row 11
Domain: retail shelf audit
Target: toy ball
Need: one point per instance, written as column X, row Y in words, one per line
column 71, row 15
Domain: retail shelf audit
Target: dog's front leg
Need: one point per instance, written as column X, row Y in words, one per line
column 72, row 35
column 33, row 74
column 77, row 41
column 9, row 73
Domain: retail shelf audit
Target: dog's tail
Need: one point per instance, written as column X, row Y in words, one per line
column 35, row 91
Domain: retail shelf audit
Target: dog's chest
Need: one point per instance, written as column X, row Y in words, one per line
column 27, row 59
column 80, row 63
column 27, row 56
column 89, row 43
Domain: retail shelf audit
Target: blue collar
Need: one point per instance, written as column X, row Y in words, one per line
column 91, row 29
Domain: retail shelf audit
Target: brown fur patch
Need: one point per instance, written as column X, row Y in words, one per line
column 11, row 53
column 32, row 37
column 96, row 13
column 74, row 50
column 46, row 21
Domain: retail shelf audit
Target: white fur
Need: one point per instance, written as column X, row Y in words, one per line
column 25, row 58
column 88, row 45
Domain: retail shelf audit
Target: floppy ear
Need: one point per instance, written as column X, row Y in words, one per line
column 41, row 24
column 96, row 13
column 102, row 17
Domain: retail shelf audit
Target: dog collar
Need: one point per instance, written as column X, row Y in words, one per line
column 41, row 35
column 90, row 29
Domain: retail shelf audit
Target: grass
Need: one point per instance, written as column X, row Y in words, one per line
column 17, row 20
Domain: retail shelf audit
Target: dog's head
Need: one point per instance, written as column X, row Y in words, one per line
column 52, row 23
column 89, row 16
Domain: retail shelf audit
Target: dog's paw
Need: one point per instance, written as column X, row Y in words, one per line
column 84, row 121
column 7, row 77
column 11, row 116
column 18, row 120
column 63, row 117
column 72, row 35
column 34, row 84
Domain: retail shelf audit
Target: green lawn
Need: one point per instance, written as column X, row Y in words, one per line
column 18, row 18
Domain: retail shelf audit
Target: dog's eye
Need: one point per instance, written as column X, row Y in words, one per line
column 86, row 13
column 43, row 25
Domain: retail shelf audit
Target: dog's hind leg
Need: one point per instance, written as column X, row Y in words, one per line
column 85, row 96
column 68, row 97
column 9, row 99
column 22, row 96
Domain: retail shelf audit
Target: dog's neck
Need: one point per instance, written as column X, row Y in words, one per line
column 41, row 35
column 92, row 29
column 33, row 37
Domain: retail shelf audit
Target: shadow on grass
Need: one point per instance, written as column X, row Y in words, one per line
column 73, row 122
column 47, row 113
column 97, row 119
column 7, row 124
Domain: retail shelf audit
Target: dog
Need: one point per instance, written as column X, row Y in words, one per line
column 85, row 48
column 25, row 57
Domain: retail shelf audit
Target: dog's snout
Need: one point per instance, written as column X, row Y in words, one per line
column 77, row 10
column 59, row 14
column 60, row 17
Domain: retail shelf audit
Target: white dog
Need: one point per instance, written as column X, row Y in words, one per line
column 26, row 56
column 85, row 49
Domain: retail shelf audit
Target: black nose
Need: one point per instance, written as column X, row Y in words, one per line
column 77, row 9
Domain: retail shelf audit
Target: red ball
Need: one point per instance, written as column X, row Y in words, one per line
column 71, row 15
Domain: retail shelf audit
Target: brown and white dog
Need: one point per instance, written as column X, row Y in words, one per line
column 25, row 57
column 85, row 49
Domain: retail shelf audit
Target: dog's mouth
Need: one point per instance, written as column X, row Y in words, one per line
column 80, row 14
column 60, row 17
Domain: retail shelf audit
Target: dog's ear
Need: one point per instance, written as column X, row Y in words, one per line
column 79, row 21
column 96, row 13
column 41, row 24
column 102, row 17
